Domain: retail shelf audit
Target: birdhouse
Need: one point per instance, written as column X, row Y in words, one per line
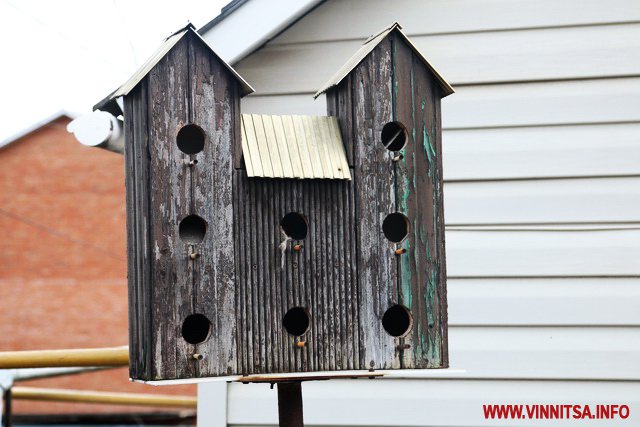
column 284, row 245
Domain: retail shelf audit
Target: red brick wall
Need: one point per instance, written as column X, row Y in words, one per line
column 63, row 258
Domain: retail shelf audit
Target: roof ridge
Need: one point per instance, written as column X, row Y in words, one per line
column 384, row 30
column 167, row 45
column 185, row 28
column 368, row 47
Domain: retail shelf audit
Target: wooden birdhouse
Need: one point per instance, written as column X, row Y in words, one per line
column 387, row 99
column 295, row 246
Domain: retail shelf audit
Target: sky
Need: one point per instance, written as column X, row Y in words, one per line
column 69, row 54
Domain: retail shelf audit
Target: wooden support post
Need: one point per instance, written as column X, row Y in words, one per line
column 290, row 404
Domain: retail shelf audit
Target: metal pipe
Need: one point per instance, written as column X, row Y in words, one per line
column 111, row 398
column 113, row 356
column 99, row 129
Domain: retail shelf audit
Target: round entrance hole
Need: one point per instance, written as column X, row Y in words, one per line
column 192, row 229
column 296, row 321
column 196, row 328
column 395, row 227
column 294, row 225
column 394, row 136
column 190, row 139
column 397, row 320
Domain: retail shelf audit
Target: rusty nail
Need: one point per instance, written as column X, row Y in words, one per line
column 198, row 356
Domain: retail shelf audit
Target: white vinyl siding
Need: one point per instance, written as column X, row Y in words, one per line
column 541, row 157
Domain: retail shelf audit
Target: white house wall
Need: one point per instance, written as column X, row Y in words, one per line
column 542, row 201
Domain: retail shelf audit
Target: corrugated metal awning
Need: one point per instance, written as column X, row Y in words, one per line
column 302, row 147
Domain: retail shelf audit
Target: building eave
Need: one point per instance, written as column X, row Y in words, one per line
column 264, row 18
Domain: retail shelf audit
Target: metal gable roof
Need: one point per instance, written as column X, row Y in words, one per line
column 303, row 147
column 368, row 47
column 169, row 43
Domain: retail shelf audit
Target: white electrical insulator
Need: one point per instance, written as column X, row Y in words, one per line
column 99, row 129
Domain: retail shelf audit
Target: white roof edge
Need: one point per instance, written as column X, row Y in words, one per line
column 37, row 125
column 266, row 18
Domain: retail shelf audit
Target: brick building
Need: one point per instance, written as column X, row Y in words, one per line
column 63, row 257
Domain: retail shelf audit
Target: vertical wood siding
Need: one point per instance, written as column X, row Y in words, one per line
column 320, row 278
column 187, row 86
column 245, row 275
column 391, row 84
column 212, row 95
column 419, row 194
column 138, row 250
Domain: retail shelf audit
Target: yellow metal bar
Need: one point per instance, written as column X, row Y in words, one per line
column 113, row 356
column 87, row 396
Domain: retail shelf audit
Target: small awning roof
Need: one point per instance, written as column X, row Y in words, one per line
column 109, row 103
column 302, row 147
column 368, row 47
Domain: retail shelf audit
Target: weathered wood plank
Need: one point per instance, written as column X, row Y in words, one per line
column 429, row 209
column 135, row 355
column 212, row 91
column 240, row 268
column 315, row 360
column 375, row 198
column 352, row 273
column 441, row 322
column 410, row 190
column 340, row 104
column 135, row 138
column 169, row 203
